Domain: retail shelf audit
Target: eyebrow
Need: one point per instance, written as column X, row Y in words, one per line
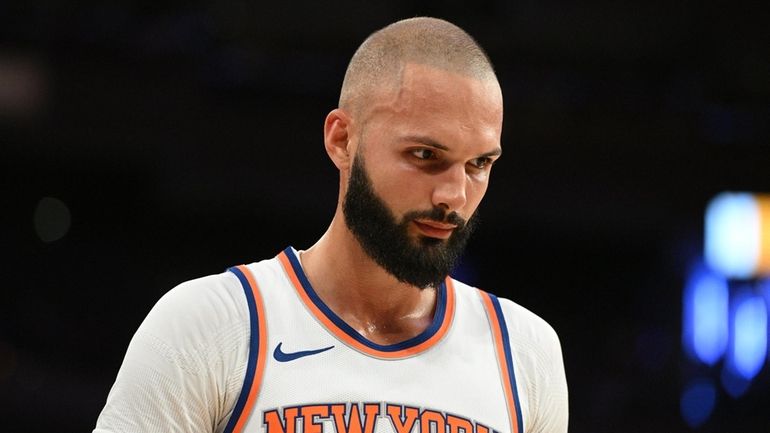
column 433, row 143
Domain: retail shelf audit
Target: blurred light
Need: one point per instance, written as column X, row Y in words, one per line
column 764, row 289
column 749, row 342
column 732, row 382
column 23, row 87
column 52, row 219
column 697, row 402
column 733, row 234
column 705, row 327
column 763, row 263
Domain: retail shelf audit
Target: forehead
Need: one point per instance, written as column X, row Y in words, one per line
column 419, row 79
column 446, row 105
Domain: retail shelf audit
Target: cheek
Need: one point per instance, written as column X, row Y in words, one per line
column 403, row 189
column 404, row 193
column 474, row 194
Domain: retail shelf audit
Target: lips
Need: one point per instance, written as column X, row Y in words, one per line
column 435, row 229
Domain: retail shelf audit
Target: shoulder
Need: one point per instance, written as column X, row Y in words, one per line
column 199, row 323
column 212, row 291
column 516, row 316
column 524, row 322
column 528, row 330
column 185, row 364
column 211, row 307
column 196, row 307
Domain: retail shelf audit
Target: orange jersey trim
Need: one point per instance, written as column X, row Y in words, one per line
column 496, row 322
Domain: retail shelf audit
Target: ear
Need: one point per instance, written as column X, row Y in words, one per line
column 337, row 135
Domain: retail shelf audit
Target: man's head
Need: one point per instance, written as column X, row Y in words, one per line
column 378, row 64
column 414, row 138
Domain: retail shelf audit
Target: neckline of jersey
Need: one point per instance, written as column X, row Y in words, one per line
column 442, row 318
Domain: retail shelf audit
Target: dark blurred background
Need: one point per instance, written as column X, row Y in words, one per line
column 143, row 144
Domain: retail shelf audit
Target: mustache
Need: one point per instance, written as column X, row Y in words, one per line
column 437, row 214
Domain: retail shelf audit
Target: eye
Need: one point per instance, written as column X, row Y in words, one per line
column 481, row 163
column 424, row 154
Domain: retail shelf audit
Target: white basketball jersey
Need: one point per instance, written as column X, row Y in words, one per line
column 309, row 372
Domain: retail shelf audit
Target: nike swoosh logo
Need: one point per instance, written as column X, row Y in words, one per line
column 282, row 356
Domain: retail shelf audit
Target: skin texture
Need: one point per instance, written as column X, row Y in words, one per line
column 429, row 142
column 388, row 241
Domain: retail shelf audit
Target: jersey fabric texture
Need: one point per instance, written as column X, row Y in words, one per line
column 256, row 350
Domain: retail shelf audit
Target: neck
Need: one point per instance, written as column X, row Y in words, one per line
column 363, row 294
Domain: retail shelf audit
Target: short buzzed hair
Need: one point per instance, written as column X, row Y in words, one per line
column 423, row 40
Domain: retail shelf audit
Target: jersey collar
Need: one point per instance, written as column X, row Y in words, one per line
column 442, row 318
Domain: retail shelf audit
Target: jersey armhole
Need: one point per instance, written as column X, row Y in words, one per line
column 504, row 358
column 255, row 367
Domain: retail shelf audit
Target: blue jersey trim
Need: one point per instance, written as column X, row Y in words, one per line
column 508, row 357
column 251, row 367
column 438, row 318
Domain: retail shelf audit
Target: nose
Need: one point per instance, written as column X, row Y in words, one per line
column 449, row 191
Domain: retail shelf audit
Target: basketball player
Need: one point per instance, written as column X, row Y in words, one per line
column 363, row 332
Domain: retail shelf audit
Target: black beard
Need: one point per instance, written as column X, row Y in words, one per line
column 424, row 262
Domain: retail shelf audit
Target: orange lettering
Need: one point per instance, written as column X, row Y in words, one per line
column 274, row 423
column 457, row 424
column 400, row 423
column 309, row 413
column 428, row 417
column 354, row 424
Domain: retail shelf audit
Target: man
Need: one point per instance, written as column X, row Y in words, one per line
column 363, row 332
